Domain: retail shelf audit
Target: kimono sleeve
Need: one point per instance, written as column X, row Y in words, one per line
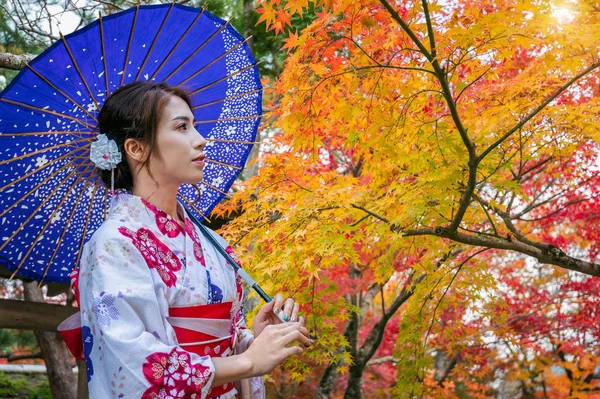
column 130, row 349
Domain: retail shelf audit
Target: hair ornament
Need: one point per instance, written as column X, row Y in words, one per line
column 105, row 154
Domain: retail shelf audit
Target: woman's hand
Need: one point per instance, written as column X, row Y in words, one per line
column 272, row 347
column 272, row 343
column 267, row 315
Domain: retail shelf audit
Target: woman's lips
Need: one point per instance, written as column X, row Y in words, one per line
column 199, row 160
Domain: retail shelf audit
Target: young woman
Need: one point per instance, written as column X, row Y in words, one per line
column 161, row 309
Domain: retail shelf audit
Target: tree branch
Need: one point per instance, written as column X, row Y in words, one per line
column 544, row 253
column 11, row 357
column 371, row 213
column 506, row 218
column 373, row 340
column 450, row 102
column 383, row 359
column 538, row 109
column 14, row 61
column 407, row 29
column 429, row 29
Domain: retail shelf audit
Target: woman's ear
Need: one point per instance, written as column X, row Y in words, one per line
column 135, row 149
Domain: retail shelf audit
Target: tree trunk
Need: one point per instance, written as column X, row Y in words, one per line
column 326, row 382
column 362, row 355
column 63, row 384
column 354, row 388
column 248, row 23
column 355, row 377
column 444, row 365
column 82, row 382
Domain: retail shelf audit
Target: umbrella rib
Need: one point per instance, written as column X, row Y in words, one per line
column 137, row 9
column 33, row 214
column 87, row 222
column 226, row 99
column 79, row 71
column 237, row 118
column 103, row 52
column 46, row 111
column 222, row 163
column 37, row 238
column 65, row 132
column 215, row 188
column 24, row 196
column 52, row 147
column 154, row 41
column 198, row 49
column 223, row 78
column 194, row 207
column 178, row 43
column 213, row 61
column 61, row 92
column 50, row 163
column 70, row 218
column 232, row 141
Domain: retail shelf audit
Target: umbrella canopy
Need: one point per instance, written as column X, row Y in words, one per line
column 51, row 197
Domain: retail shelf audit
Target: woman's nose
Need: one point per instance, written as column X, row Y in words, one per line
column 199, row 141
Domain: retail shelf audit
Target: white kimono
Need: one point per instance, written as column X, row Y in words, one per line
column 136, row 266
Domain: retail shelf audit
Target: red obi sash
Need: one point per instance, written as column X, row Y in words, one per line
column 70, row 329
column 207, row 331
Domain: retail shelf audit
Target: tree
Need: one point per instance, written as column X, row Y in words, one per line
column 414, row 139
column 26, row 28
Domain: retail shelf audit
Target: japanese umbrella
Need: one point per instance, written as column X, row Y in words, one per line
column 51, row 196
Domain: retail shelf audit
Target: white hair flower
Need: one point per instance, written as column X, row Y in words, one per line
column 104, row 153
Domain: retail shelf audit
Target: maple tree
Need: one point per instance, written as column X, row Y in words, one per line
column 406, row 138
column 422, row 158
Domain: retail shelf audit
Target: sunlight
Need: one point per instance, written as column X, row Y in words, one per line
column 563, row 15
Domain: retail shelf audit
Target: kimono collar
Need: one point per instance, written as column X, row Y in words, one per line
column 126, row 202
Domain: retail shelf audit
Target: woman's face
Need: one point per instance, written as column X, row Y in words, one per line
column 178, row 158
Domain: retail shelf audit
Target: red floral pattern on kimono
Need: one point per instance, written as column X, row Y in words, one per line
column 191, row 231
column 157, row 255
column 229, row 250
column 172, row 375
column 165, row 223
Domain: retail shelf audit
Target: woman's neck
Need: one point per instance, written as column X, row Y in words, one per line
column 163, row 198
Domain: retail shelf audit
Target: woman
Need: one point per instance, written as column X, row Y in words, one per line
column 161, row 310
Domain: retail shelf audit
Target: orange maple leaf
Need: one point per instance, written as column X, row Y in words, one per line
column 291, row 42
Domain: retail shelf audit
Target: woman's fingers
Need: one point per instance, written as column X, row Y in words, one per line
column 292, row 332
column 276, row 343
column 295, row 332
column 278, row 301
column 300, row 337
column 295, row 311
column 268, row 307
column 292, row 350
column 288, row 308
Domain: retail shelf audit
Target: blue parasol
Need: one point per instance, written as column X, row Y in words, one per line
column 51, row 197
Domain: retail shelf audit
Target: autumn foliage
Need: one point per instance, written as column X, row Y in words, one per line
column 424, row 166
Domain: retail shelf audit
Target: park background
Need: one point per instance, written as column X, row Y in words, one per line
column 426, row 185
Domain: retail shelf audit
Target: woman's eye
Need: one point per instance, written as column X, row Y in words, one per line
column 182, row 126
